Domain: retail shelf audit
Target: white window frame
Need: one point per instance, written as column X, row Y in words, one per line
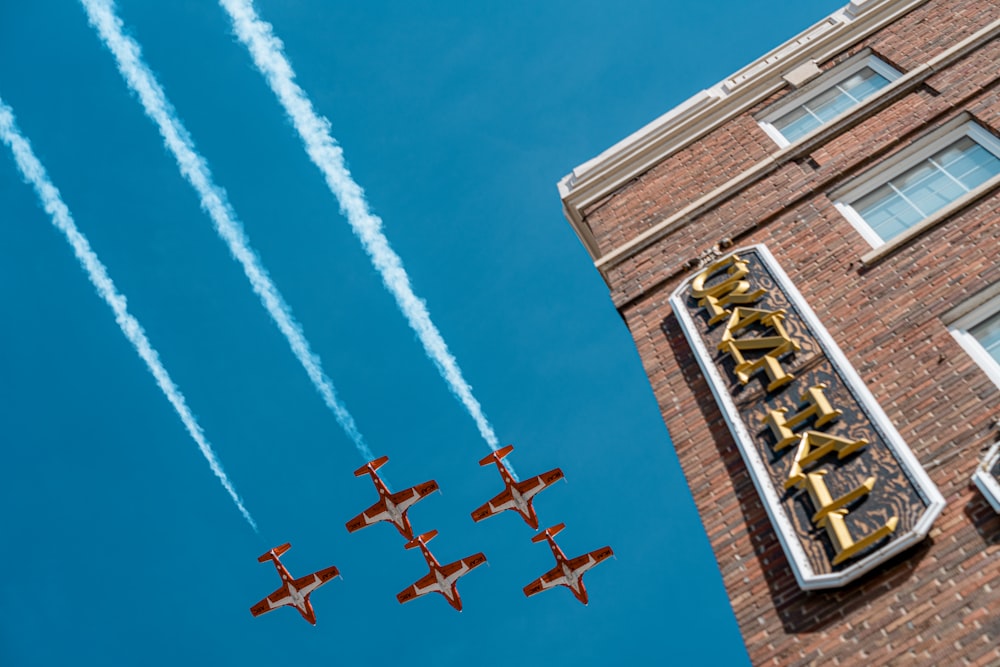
column 960, row 330
column 959, row 320
column 820, row 85
column 909, row 157
column 986, row 480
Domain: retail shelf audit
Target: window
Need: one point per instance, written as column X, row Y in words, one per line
column 904, row 194
column 978, row 332
column 829, row 96
column 987, row 333
column 927, row 188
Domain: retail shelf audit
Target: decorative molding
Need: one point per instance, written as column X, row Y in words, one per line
column 888, row 95
column 795, row 381
column 710, row 108
column 802, row 74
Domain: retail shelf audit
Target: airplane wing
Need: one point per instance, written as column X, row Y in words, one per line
column 278, row 598
column 407, row 497
column 583, row 563
column 503, row 501
column 550, row 579
column 305, row 585
column 530, row 487
column 373, row 514
column 311, row 582
column 422, row 586
column 453, row 571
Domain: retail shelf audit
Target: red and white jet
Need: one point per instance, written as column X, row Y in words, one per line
column 567, row 572
column 293, row 592
column 442, row 578
column 390, row 507
column 517, row 496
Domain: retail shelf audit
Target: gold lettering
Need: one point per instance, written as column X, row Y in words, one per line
column 818, row 406
column 730, row 299
column 733, row 290
column 831, row 512
column 813, row 446
column 846, row 546
column 776, row 346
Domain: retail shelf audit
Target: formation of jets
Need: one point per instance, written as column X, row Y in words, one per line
column 392, row 508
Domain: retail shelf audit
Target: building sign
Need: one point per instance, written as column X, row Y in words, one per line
column 843, row 490
column 987, row 476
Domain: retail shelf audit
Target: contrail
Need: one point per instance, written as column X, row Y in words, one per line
column 34, row 173
column 268, row 54
column 194, row 167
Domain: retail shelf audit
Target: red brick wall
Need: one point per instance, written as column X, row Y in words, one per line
column 728, row 150
column 939, row 603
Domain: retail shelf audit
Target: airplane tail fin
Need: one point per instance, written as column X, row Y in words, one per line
column 497, row 455
column 548, row 532
column 273, row 554
column 371, row 466
column 425, row 538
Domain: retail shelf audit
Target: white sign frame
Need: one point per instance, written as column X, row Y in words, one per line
column 805, row 575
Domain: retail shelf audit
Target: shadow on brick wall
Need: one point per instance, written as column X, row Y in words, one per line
column 800, row 611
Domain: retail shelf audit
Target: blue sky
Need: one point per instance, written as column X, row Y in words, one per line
column 120, row 547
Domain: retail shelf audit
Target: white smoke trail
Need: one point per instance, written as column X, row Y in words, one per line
column 268, row 54
column 213, row 200
column 34, row 173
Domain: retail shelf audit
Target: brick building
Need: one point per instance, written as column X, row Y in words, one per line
column 808, row 258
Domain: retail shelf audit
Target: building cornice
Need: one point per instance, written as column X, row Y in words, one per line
column 707, row 110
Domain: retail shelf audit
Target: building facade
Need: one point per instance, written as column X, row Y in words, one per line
column 808, row 258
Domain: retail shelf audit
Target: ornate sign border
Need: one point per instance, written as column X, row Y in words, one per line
column 805, row 573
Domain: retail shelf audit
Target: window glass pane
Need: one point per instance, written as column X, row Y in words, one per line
column 927, row 187
column 970, row 163
column 865, row 83
column 887, row 213
column 830, row 103
column 796, row 124
column 988, row 335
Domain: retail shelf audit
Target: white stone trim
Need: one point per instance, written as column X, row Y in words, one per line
column 977, row 300
column 960, row 330
column 803, row 74
column 893, row 91
column 806, row 577
column 712, row 107
column 962, row 318
column 988, row 484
